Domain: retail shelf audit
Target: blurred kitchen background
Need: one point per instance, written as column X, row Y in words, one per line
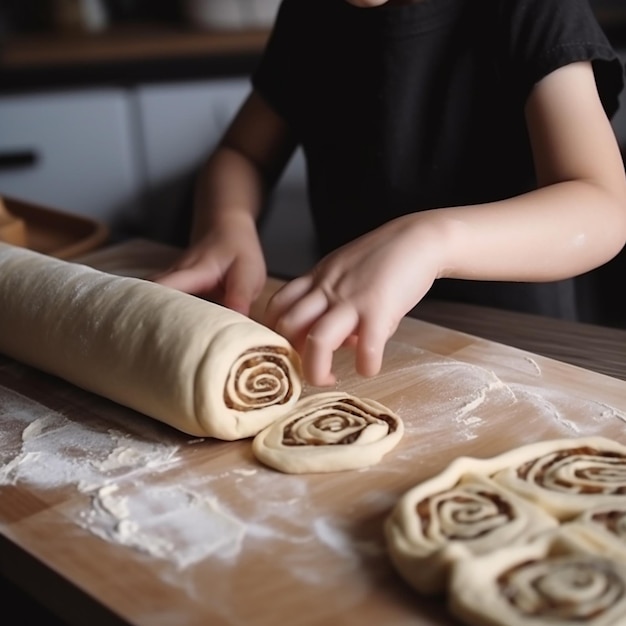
column 21, row 16
column 107, row 108
column 97, row 15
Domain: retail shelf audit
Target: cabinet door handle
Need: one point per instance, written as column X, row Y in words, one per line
column 17, row 159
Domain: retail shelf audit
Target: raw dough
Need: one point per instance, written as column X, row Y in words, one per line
column 195, row 365
column 535, row 536
column 551, row 581
column 455, row 515
column 567, row 476
column 605, row 528
column 327, row 432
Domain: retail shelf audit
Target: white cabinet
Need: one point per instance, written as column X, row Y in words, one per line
column 72, row 150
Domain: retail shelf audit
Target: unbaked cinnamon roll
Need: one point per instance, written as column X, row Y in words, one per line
column 453, row 516
column 554, row 580
column 327, row 432
column 567, row 476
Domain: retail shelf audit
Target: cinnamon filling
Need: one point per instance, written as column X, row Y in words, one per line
column 269, row 383
column 599, row 467
column 344, row 415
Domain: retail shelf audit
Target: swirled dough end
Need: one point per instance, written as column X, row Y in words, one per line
column 456, row 515
column 329, row 432
column 555, row 579
column 248, row 378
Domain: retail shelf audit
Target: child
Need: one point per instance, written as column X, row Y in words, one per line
column 456, row 147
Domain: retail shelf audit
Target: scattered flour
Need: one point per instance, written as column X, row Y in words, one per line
column 166, row 521
column 533, row 364
column 56, row 451
column 135, row 494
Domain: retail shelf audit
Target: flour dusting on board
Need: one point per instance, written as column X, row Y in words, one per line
column 463, row 393
column 152, row 522
column 56, row 451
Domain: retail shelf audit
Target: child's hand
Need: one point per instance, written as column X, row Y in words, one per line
column 355, row 296
column 226, row 267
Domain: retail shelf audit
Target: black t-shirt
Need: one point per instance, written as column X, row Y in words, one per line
column 403, row 108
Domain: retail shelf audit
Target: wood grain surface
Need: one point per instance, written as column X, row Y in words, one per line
column 108, row 517
column 598, row 348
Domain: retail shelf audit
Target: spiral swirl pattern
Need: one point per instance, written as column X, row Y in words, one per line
column 258, row 378
column 341, row 422
column 570, row 589
column 584, row 470
column 327, row 432
column 463, row 513
column 457, row 516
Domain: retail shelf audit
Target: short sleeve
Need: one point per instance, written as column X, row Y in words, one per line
column 540, row 36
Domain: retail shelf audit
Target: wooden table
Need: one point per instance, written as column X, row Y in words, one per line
column 598, row 348
column 107, row 517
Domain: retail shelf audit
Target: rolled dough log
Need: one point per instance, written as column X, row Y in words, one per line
column 192, row 364
column 329, row 432
column 552, row 580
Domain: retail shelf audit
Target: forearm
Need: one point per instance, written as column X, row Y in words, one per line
column 576, row 219
column 224, row 261
column 555, row 232
column 229, row 188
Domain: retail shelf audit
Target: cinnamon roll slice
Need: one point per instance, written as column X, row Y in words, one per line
column 554, row 580
column 456, row 515
column 567, row 476
column 329, row 432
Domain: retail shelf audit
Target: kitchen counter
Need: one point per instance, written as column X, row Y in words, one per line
column 286, row 541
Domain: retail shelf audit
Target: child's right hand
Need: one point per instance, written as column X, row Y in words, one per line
column 226, row 265
column 357, row 295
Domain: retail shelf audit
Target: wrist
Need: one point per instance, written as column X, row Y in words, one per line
column 441, row 238
column 224, row 219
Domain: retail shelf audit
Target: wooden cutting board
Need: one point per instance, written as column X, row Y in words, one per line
column 110, row 517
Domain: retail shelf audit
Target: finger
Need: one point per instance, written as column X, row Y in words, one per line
column 296, row 321
column 284, row 298
column 325, row 337
column 237, row 300
column 242, row 287
column 189, row 281
column 370, row 347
